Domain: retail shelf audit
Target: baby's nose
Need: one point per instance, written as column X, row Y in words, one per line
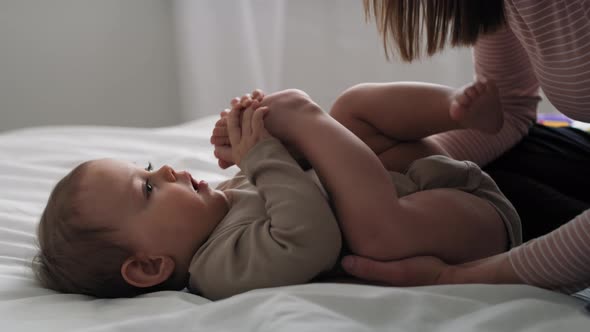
column 168, row 173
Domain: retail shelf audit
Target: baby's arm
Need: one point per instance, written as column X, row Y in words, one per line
column 374, row 223
column 296, row 238
column 360, row 187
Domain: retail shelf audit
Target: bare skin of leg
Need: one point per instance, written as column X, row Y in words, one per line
column 395, row 137
column 395, row 119
column 375, row 223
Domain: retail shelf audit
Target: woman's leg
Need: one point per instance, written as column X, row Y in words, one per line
column 544, row 177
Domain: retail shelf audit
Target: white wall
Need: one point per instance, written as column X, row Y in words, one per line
column 322, row 47
column 229, row 47
column 161, row 62
column 110, row 62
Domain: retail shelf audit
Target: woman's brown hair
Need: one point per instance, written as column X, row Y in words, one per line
column 402, row 23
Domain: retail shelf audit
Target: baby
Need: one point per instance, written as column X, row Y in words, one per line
column 112, row 229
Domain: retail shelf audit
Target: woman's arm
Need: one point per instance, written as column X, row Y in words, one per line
column 430, row 270
column 559, row 260
column 286, row 232
column 499, row 57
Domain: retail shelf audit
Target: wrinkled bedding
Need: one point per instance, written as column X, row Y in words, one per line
column 32, row 160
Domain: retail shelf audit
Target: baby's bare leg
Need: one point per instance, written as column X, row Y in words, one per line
column 440, row 222
column 360, row 188
column 373, row 221
column 395, row 119
column 447, row 223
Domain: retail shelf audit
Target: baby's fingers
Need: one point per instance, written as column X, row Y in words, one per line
column 220, row 140
column 258, row 122
column 220, row 131
column 233, row 127
column 247, row 119
column 235, row 102
column 258, row 95
column 246, row 100
column 223, row 153
column 219, row 135
column 222, row 121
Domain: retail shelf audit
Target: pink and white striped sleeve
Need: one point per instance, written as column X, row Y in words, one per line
column 499, row 57
column 556, row 35
column 559, row 260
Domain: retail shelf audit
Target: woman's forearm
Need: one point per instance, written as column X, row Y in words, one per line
column 554, row 261
column 490, row 270
column 558, row 260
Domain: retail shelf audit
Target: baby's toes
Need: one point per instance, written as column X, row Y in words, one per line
column 463, row 99
column 491, row 86
column 457, row 111
column 246, row 100
column 480, row 87
column 471, row 92
column 257, row 95
column 235, row 101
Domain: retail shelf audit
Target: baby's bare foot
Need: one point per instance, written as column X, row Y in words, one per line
column 477, row 106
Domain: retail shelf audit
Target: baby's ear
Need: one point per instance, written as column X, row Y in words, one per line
column 147, row 271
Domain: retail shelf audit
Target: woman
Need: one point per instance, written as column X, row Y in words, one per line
column 522, row 45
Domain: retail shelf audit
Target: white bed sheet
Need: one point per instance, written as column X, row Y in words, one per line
column 32, row 160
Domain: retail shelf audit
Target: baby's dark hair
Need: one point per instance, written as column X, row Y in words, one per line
column 76, row 257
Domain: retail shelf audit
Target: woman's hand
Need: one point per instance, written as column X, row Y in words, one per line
column 429, row 270
column 415, row 271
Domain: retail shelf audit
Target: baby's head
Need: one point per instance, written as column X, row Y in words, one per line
column 113, row 229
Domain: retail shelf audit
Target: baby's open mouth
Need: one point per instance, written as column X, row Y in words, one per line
column 199, row 185
column 195, row 184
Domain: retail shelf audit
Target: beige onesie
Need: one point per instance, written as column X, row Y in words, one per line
column 280, row 229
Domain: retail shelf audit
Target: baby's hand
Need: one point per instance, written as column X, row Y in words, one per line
column 220, row 140
column 247, row 99
column 246, row 131
column 220, row 137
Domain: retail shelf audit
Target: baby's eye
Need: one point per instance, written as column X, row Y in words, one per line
column 148, row 186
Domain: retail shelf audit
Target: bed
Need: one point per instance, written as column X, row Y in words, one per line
column 33, row 159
